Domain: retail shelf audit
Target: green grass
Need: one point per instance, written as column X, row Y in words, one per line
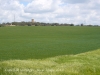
column 49, row 50
column 43, row 42
column 81, row 64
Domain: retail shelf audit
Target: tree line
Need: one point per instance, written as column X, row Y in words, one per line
column 34, row 24
column 38, row 24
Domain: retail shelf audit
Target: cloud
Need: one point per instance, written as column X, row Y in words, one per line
column 61, row 11
column 41, row 6
column 76, row 1
column 9, row 9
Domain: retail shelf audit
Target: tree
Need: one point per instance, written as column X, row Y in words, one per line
column 71, row 24
column 14, row 23
column 29, row 24
column 82, row 24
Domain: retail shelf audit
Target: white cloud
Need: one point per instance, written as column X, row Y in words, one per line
column 41, row 6
column 9, row 9
column 75, row 1
column 62, row 11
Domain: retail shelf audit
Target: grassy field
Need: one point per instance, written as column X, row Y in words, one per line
column 49, row 50
column 81, row 64
column 44, row 42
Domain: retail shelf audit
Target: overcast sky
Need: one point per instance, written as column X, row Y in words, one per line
column 59, row 11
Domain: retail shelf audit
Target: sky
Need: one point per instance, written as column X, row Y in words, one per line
column 51, row 11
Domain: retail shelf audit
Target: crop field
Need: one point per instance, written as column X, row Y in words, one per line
column 69, row 50
column 44, row 42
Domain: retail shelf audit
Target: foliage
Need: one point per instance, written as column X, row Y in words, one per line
column 81, row 64
column 82, row 25
column 36, row 24
column 1, row 25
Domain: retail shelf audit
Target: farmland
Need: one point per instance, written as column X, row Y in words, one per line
column 51, row 47
column 44, row 42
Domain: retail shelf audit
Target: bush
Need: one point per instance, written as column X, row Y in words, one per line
column 1, row 25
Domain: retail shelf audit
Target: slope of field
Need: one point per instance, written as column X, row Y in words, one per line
column 81, row 64
column 43, row 42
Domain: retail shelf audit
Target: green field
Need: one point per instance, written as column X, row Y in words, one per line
column 49, row 50
column 44, row 42
column 81, row 64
